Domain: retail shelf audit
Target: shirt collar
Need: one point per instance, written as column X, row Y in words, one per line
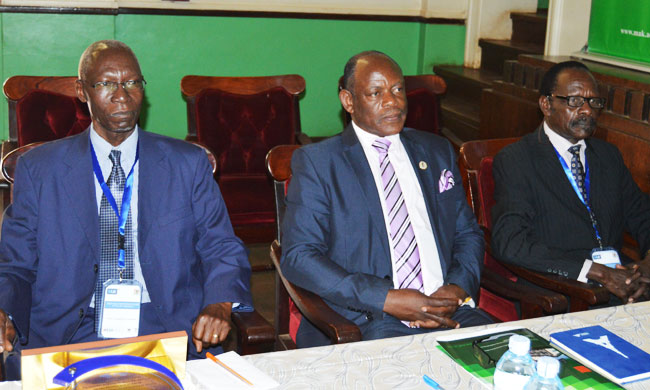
column 367, row 138
column 128, row 147
column 560, row 143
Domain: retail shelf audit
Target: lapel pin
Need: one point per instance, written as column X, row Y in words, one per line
column 422, row 165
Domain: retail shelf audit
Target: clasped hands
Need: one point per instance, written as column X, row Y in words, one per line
column 422, row 311
column 630, row 283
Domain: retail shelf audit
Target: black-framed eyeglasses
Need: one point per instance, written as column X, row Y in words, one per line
column 112, row 86
column 578, row 101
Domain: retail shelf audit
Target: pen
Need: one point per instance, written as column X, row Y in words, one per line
column 431, row 382
column 230, row 370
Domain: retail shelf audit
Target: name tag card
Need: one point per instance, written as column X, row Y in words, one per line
column 606, row 256
column 120, row 311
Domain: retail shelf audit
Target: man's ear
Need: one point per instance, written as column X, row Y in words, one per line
column 79, row 89
column 345, row 97
column 545, row 105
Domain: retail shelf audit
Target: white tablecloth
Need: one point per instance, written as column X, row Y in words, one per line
column 399, row 363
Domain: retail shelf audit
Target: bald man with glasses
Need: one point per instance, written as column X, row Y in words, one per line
column 564, row 199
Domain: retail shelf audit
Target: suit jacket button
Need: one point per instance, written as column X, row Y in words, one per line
column 369, row 317
column 81, row 313
column 387, row 277
column 95, row 268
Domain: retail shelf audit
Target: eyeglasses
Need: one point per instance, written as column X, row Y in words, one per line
column 112, row 86
column 578, row 101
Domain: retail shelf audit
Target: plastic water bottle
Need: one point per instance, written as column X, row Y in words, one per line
column 546, row 377
column 516, row 367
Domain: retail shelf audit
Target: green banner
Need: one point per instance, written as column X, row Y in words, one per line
column 620, row 28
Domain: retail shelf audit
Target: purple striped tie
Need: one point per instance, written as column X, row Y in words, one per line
column 405, row 247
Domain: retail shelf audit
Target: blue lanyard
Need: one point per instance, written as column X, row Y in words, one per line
column 126, row 201
column 569, row 176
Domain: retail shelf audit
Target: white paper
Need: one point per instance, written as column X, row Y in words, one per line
column 205, row 374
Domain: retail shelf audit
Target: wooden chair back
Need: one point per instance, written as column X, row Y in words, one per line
column 17, row 87
column 211, row 158
column 534, row 301
column 192, row 85
column 469, row 161
column 293, row 302
column 240, row 119
column 8, row 164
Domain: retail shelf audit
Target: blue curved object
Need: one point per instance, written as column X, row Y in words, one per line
column 74, row 371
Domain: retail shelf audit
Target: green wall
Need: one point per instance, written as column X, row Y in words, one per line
column 170, row 47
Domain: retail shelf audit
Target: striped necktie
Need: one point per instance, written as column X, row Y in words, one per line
column 405, row 246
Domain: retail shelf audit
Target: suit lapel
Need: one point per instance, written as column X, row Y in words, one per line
column 353, row 152
column 153, row 179
column 79, row 185
column 425, row 177
column 428, row 184
column 597, row 188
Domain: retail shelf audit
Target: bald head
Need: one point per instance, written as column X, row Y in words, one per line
column 97, row 50
column 351, row 66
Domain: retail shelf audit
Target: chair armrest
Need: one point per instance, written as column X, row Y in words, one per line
column 254, row 333
column 534, row 302
column 336, row 327
column 303, row 139
column 582, row 295
column 7, row 146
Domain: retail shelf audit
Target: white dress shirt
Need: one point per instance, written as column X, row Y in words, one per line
column 414, row 199
column 128, row 150
column 562, row 146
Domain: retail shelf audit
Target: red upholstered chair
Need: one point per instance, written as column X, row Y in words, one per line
column 240, row 119
column 291, row 301
column 423, row 95
column 500, row 289
column 43, row 109
column 581, row 295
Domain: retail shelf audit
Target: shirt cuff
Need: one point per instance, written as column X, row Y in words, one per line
column 582, row 277
column 469, row 302
column 238, row 307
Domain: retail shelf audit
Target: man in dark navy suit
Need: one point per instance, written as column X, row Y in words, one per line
column 377, row 222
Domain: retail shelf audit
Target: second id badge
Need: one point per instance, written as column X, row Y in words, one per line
column 607, row 256
column 120, row 311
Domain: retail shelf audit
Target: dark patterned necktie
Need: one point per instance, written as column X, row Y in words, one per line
column 578, row 171
column 405, row 247
column 108, row 235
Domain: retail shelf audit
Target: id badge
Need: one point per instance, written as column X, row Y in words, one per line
column 120, row 311
column 606, row 256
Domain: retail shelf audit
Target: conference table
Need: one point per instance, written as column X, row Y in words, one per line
column 400, row 362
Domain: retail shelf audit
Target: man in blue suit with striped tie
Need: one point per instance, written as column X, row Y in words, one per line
column 377, row 223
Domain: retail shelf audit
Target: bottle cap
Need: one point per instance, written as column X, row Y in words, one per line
column 519, row 345
column 548, row 367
